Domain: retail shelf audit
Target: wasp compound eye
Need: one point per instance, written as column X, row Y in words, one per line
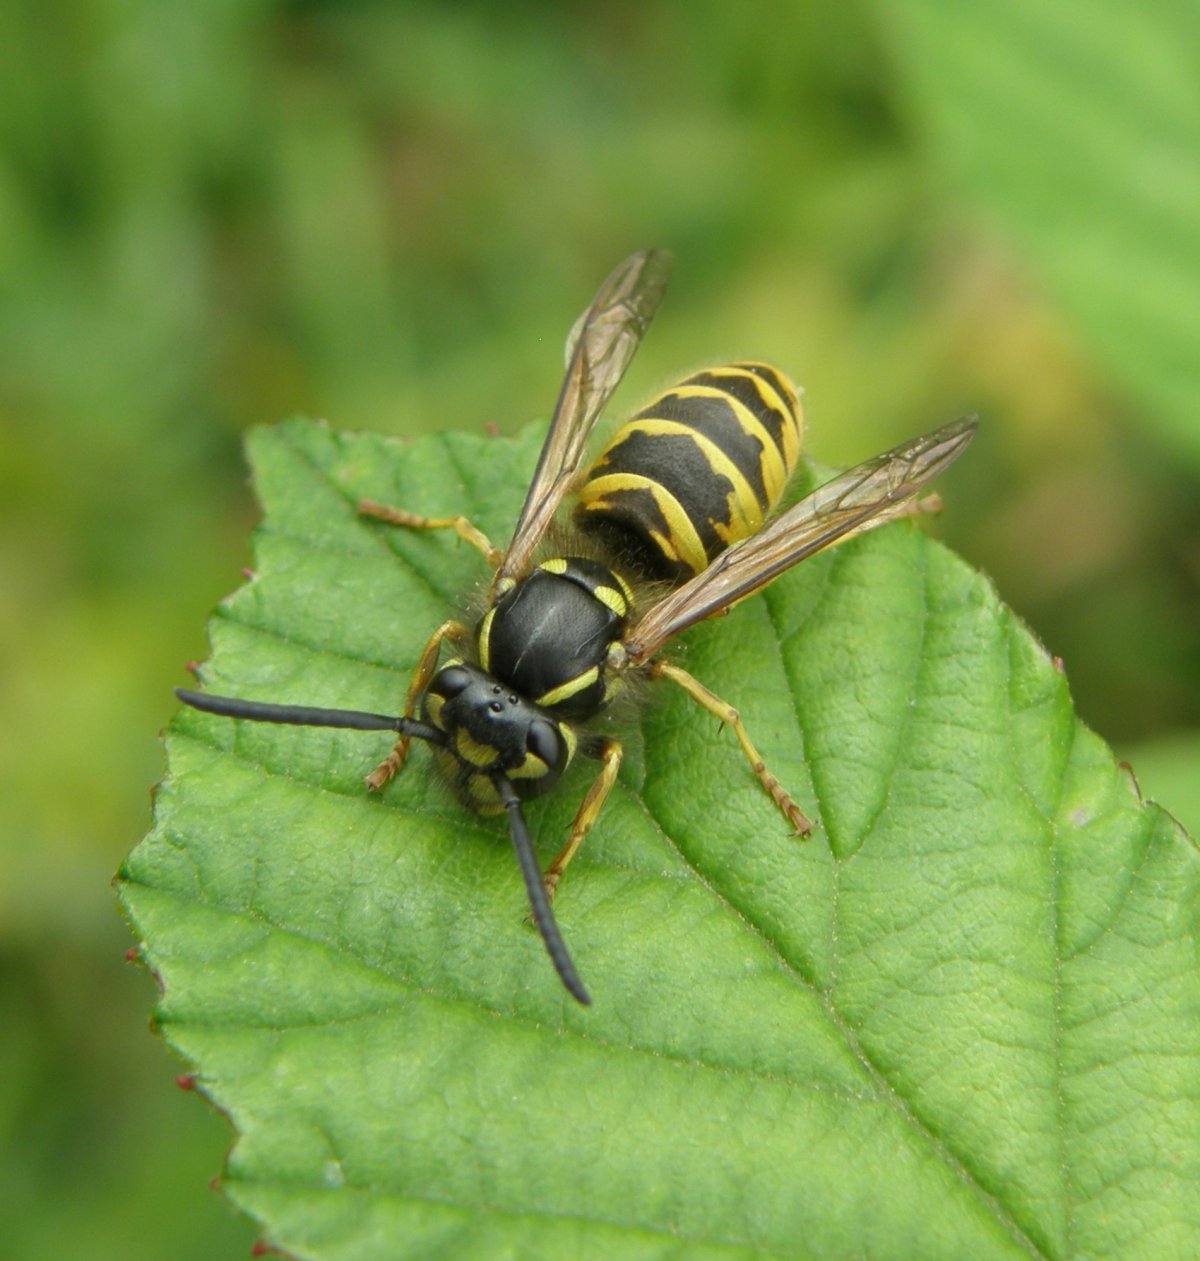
column 543, row 741
column 451, row 681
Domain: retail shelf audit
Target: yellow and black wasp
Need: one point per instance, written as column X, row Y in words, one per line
column 677, row 504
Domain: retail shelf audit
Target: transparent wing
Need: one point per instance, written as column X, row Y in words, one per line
column 598, row 351
column 868, row 494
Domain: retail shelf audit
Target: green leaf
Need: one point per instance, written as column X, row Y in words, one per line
column 1076, row 126
column 962, row 1020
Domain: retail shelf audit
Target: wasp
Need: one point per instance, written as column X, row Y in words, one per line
column 671, row 524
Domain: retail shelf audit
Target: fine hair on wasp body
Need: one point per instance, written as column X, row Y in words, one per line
column 671, row 523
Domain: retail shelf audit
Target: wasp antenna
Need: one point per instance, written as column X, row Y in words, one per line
column 539, row 903
column 308, row 715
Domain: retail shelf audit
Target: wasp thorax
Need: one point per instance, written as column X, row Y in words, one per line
column 491, row 728
column 549, row 634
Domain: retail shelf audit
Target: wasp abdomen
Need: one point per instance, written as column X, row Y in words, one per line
column 697, row 469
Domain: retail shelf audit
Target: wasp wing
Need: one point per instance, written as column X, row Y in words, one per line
column 868, row 494
column 598, row 351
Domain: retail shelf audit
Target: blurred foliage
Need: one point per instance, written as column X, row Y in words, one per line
column 220, row 214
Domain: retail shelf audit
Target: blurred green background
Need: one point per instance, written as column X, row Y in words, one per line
column 388, row 215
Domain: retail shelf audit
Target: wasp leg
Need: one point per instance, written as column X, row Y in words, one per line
column 727, row 714
column 585, row 816
column 461, row 526
column 426, row 664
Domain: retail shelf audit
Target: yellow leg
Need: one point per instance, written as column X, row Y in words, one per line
column 410, row 520
column 585, row 816
column 727, row 714
column 426, row 665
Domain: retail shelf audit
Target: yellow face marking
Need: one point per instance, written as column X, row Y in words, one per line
column 505, row 585
column 470, row 750
column 484, row 637
column 555, row 565
column 433, row 707
column 626, row 591
column 569, row 688
column 568, row 739
column 531, row 768
column 484, row 797
column 613, row 599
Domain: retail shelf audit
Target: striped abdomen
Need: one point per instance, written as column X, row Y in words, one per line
column 699, row 468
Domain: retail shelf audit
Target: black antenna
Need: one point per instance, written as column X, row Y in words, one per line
column 362, row 720
column 308, row 716
column 539, row 903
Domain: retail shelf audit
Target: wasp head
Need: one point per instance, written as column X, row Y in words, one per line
column 491, row 729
